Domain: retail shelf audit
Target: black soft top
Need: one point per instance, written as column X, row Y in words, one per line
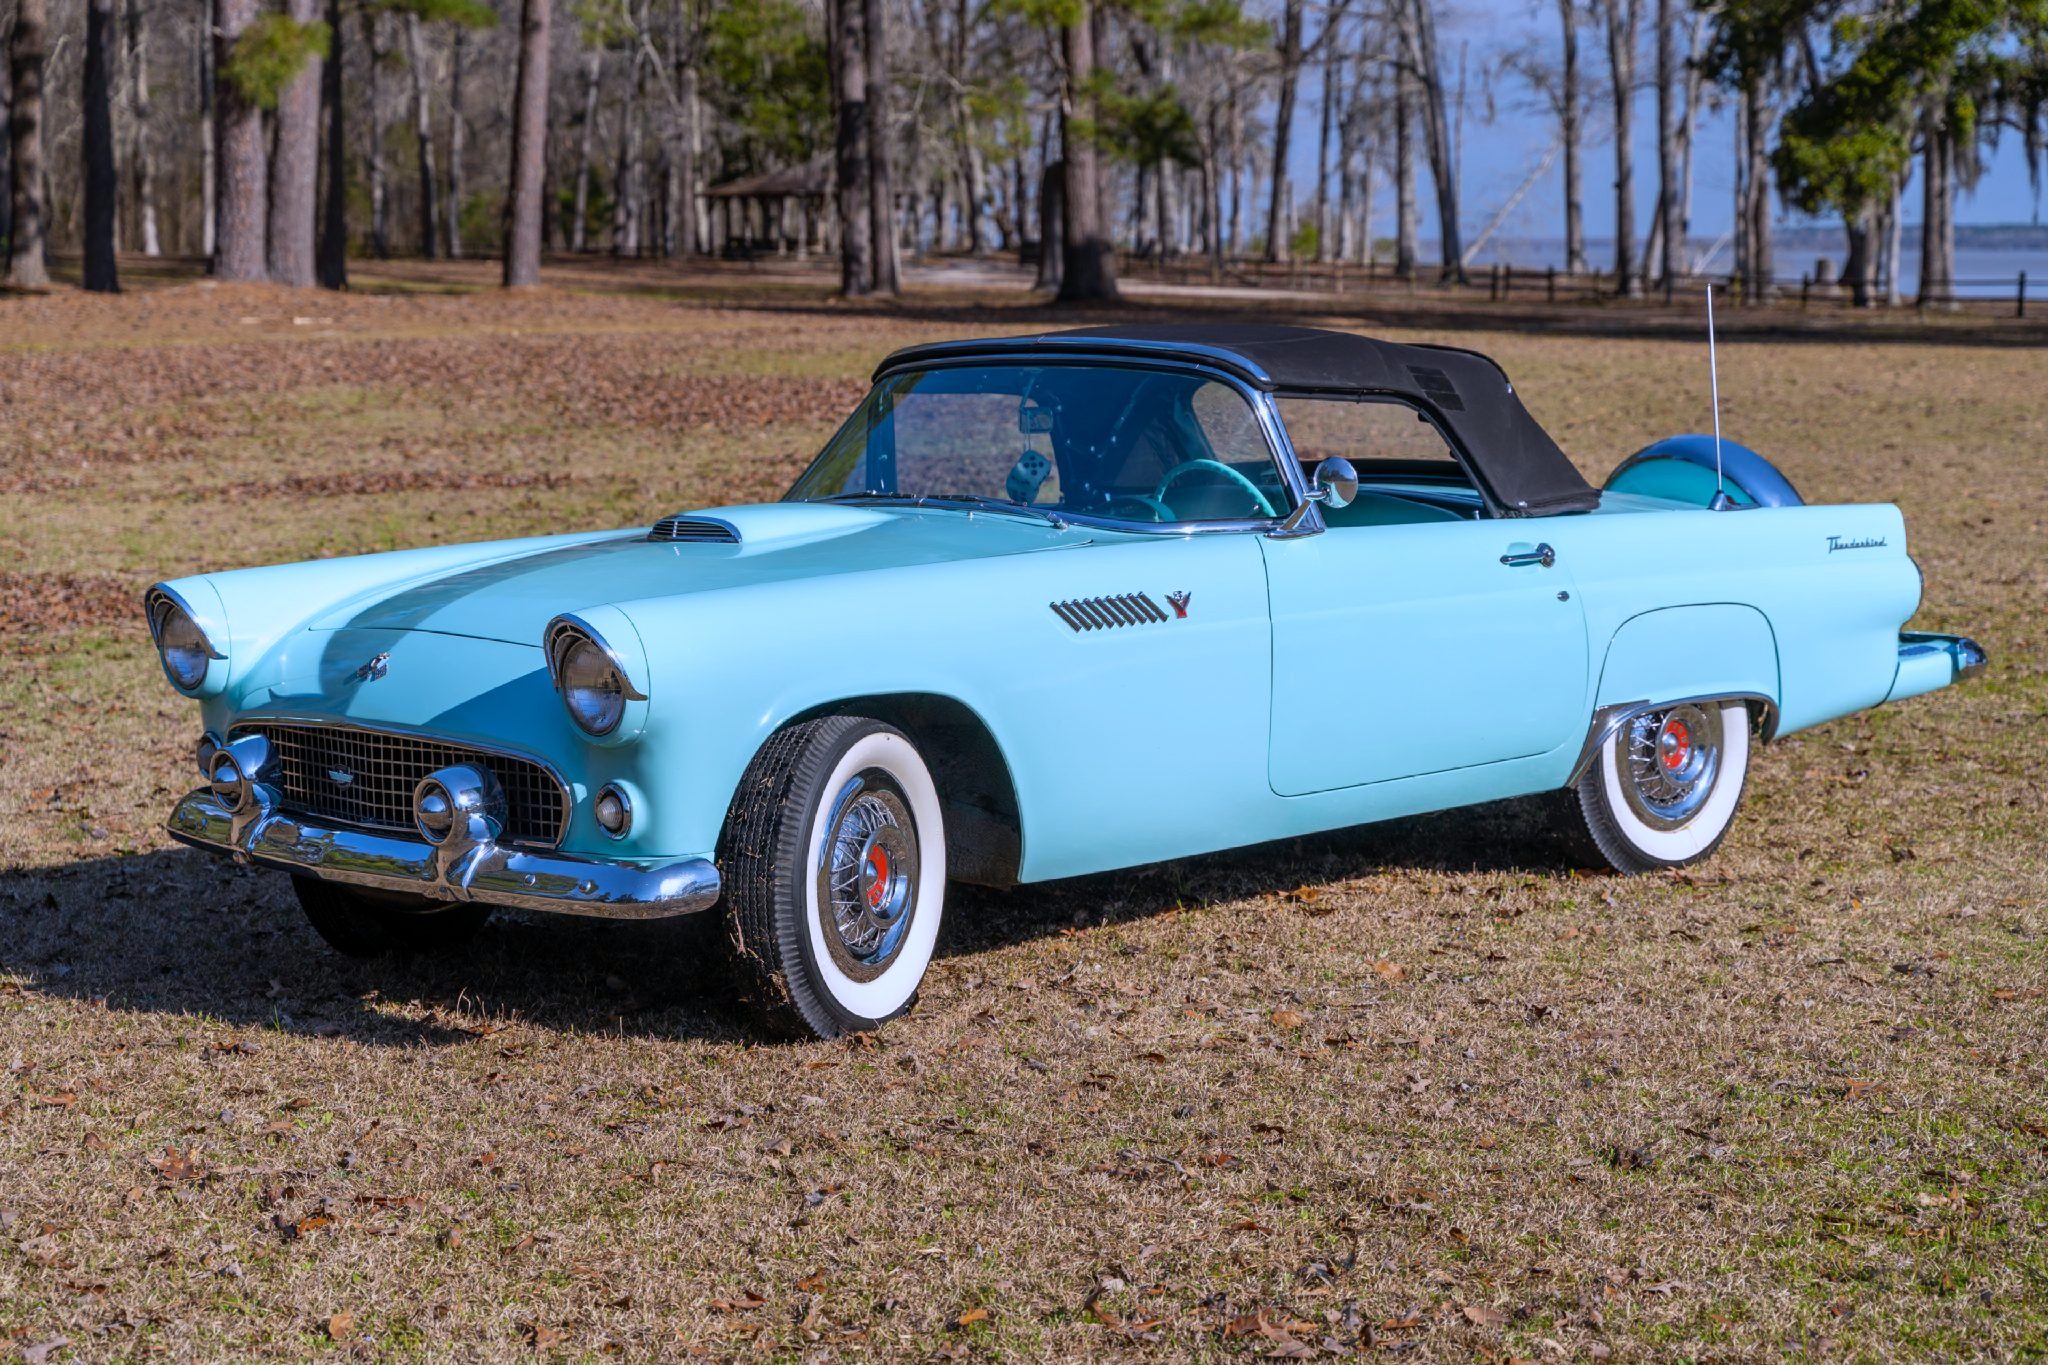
column 1513, row 460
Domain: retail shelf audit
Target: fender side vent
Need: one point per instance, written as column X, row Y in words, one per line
column 703, row 530
column 1107, row 613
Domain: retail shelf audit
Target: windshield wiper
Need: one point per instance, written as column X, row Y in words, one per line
column 978, row 501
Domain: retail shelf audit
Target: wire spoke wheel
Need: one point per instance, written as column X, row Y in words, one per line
column 1672, row 760
column 1662, row 789
column 867, row 874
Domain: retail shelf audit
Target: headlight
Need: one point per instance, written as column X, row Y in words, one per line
column 180, row 643
column 592, row 688
column 592, row 681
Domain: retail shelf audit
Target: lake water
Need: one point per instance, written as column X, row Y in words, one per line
column 1980, row 273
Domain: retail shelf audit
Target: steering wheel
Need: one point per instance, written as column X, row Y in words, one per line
column 1214, row 467
column 1158, row 510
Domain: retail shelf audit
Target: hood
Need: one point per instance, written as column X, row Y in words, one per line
column 512, row 599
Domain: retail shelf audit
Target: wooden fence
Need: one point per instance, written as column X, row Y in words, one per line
column 1505, row 283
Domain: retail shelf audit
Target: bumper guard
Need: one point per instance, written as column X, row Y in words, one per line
column 454, row 870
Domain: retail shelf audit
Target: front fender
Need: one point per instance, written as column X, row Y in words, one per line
column 1175, row 709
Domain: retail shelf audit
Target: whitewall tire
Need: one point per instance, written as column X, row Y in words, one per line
column 1661, row 792
column 834, row 859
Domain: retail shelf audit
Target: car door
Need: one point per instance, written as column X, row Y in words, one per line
column 1414, row 635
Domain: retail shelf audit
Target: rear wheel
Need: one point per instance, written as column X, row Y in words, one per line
column 834, row 860
column 361, row 923
column 1663, row 789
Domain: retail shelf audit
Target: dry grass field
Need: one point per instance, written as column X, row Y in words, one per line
column 1416, row 1090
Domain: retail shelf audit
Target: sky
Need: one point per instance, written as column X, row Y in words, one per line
column 1499, row 155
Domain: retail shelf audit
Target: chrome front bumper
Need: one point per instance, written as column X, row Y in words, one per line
column 481, row 871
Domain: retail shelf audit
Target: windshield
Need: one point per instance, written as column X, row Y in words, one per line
column 1117, row 442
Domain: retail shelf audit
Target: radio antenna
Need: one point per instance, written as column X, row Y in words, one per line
column 1721, row 500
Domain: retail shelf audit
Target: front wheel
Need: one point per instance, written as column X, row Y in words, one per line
column 834, row 859
column 1663, row 788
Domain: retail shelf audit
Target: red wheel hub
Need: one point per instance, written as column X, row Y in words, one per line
column 1674, row 746
column 878, row 875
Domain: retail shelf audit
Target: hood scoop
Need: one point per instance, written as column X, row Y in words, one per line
column 695, row 530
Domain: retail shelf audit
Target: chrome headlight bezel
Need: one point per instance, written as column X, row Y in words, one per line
column 592, row 679
column 184, row 650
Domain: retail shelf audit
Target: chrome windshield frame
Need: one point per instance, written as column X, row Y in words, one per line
column 1278, row 448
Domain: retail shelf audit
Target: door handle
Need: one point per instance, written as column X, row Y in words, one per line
column 1542, row 554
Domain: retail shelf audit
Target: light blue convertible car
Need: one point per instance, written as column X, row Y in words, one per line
column 1044, row 606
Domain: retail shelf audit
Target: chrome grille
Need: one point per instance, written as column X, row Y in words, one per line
column 382, row 770
column 705, row 529
column 1107, row 613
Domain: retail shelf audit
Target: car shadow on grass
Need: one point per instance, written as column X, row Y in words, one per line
column 177, row 932
column 1503, row 836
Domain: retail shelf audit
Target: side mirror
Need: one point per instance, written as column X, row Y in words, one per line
column 1334, row 485
column 1337, row 481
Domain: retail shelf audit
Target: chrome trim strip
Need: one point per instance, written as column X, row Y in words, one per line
column 453, row 741
column 481, row 871
column 551, row 650
column 1609, row 719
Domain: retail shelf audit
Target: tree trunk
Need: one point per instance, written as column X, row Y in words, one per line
column 1937, row 206
column 244, row 182
column 102, row 180
column 972, row 167
column 1688, row 137
column 6, row 144
column 1283, row 128
column 1759, row 287
column 1012, row 224
column 1088, row 268
column 1052, row 212
column 1237, row 175
column 1333, row 95
column 1622, row 18
column 373, row 105
column 27, row 267
column 1420, row 17
column 1670, row 219
column 628, row 166
column 1856, row 269
column 141, row 160
column 295, row 166
column 1364, row 253
column 423, row 135
column 1404, row 173
column 458, row 139
column 689, row 240
column 881, row 186
column 1740, row 230
column 586, row 145
column 1569, row 134
column 1212, row 191
column 1894, row 239
column 331, row 268
column 847, row 38
column 209, row 128
column 526, row 203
